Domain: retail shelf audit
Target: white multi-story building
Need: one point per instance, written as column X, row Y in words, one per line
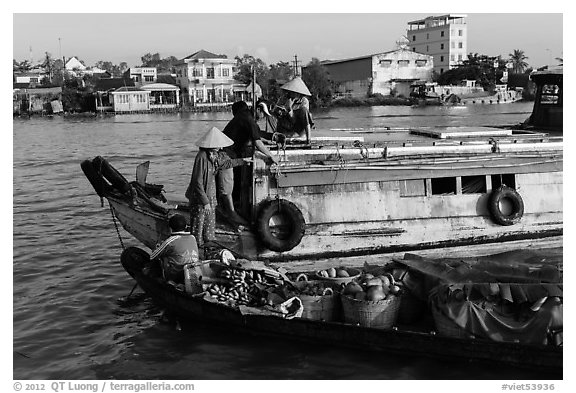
column 205, row 77
column 442, row 37
column 142, row 75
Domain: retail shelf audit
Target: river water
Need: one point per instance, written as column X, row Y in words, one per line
column 71, row 319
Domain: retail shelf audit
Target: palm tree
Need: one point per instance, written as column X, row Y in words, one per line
column 518, row 61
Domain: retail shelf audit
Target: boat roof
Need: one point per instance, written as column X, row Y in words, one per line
column 550, row 71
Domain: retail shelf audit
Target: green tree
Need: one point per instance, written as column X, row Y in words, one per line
column 518, row 59
column 279, row 74
column 246, row 64
column 477, row 67
column 316, row 78
column 48, row 66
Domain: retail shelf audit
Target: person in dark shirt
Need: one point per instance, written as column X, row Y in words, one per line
column 246, row 135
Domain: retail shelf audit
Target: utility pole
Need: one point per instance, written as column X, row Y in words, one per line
column 59, row 48
column 295, row 62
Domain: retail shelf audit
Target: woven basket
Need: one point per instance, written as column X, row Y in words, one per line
column 380, row 314
column 324, row 307
column 446, row 327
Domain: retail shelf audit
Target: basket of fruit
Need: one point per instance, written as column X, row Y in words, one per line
column 320, row 299
column 340, row 275
column 371, row 301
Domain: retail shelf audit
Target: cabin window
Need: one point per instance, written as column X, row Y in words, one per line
column 550, row 94
column 453, row 45
column 226, row 72
column 403, row 63
column 460, row 45
column 473, row 184
column 460, row 32
column 444, row 186
column 411, row 188
column 385, row 63
column 442, row 58
column 427, row 36
column 441, row 46
column 442, row 34
column 413, row 38
column 508, row 179
column 420, row 63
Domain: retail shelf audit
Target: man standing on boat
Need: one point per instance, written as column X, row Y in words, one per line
column 176, row 251
column 201, row 191
column 245, row 134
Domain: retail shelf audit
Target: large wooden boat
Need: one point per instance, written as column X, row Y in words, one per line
column 410, row 189
column 419, row 341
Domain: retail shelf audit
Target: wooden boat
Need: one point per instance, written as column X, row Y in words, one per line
column 403, row 340
column 410, row 189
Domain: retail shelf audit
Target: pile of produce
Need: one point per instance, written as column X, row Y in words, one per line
column 242, row 287
column 340, row 272
column 373, row 288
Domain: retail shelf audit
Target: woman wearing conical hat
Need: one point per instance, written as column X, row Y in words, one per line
column 201, row 191
column 298, row 107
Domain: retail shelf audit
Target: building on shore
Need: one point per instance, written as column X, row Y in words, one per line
column 103, row 89
column 141, row 75
column 388, row 73
column 163, row 96
column 443, row 37
column 130, row 99
column 205, row 77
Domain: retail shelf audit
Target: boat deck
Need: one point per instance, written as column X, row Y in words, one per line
column 423, row 136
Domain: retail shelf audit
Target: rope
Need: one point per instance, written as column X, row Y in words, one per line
column 116, row 226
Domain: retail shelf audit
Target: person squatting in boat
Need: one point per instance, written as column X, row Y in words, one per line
column 297, row 109
column 176, row 251
column 245, row 133
column 201, row 191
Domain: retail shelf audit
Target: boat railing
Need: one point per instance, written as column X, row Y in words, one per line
column 440, row 148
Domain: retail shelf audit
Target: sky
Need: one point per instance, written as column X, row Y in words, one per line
column 272, row 37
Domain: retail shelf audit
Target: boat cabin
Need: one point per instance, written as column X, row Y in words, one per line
column 547, row 112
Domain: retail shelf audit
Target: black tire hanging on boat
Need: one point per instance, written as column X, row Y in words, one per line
column 294, row 219
column 100, row 185
column 110, row 173
column 499, row 194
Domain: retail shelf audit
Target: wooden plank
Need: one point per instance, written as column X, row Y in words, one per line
column 461, row 132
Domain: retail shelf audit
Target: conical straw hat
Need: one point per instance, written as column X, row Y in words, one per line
column 297, row 85
column 214, row 139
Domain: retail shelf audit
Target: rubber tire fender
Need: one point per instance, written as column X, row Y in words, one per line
column 505, row 192
column 291, row 212
column 95, row 178
column 110, row 173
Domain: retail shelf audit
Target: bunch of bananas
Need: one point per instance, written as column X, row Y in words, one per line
column 240, row 287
